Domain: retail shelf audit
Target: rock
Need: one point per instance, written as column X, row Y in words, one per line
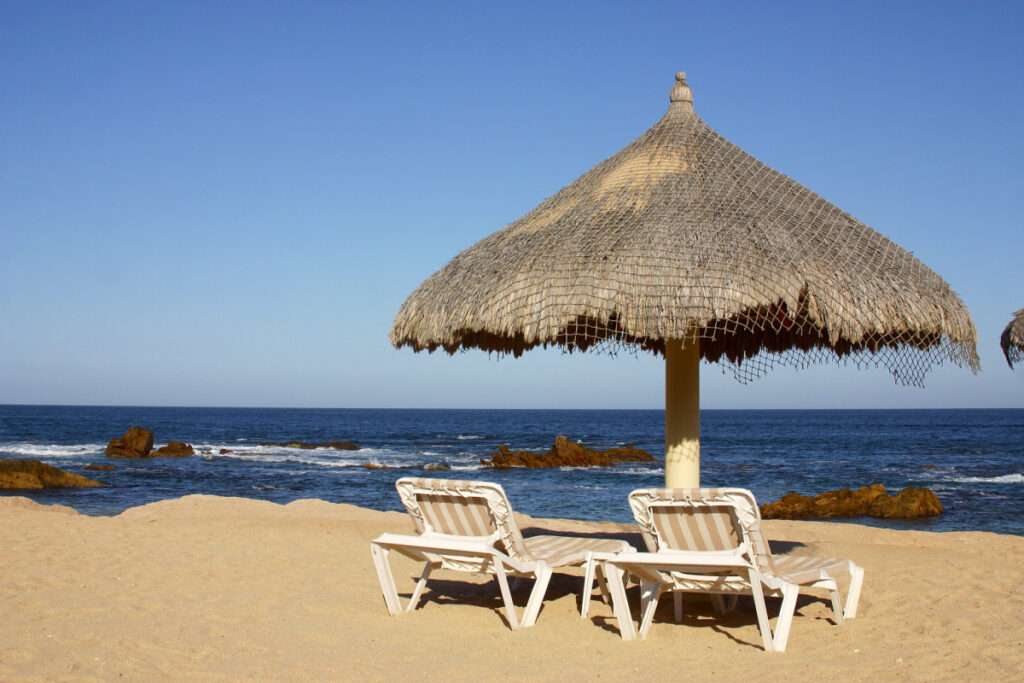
column 174, row 449
column 136, row 443
column 438, row 468
column 371, row 466
column 32, row 474
column 102, row 468
column 565, row 453
column 909, row 503
column 225, row 451
column 336, row 445
column 342, row 446
column 871, row 501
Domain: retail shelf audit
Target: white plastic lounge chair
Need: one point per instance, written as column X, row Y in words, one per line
column 468, row 526
column 710, row 541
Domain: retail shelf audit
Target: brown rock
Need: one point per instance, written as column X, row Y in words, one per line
column 565, row 453
column 102, row 468
column 871, row 501
column 910, row 503
column 136, row 443
column 32, row 474
column 438, row 468
column 174, row 449
column 790, row 506
column 371, row 466
column 225, row 451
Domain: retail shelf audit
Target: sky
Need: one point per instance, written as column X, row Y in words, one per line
column 225, row 203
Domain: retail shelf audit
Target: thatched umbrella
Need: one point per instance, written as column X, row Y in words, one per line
column 1012, row 339
column 684, row 245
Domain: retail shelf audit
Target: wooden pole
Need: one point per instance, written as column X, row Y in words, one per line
column 682, row 414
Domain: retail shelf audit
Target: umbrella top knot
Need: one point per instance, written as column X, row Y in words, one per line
column 681, row 93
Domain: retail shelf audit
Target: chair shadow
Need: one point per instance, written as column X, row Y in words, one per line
column 698, row 612
column 783, row 547
column 487, row 595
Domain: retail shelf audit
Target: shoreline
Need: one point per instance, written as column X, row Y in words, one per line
column 217, row 589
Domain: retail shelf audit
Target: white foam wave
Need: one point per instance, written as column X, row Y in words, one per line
column 40, row 450
column 1016, row 478
column 469, row 437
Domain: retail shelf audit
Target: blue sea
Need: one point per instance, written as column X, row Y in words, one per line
column 973, row 459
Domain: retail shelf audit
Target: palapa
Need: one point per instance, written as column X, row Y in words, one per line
column 1012, row 339
column 684, row 241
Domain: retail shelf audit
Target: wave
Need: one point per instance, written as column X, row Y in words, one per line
column 39, row 450
column 469, row 437
column 1015, row 478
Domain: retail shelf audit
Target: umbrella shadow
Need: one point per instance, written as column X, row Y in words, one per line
column 631, row 537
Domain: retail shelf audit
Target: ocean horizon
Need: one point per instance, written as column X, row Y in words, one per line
column 972, row 458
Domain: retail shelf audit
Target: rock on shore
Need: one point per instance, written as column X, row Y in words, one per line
column 565, row 453
column 32, row 474
column 868, row 501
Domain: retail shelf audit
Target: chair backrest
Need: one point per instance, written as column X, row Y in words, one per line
column 459, row 507
column 701, row 519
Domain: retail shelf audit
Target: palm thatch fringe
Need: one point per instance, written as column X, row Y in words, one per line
column 684, row 233
column 1012, row 339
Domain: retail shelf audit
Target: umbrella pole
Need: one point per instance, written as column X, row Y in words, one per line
column 682, row 413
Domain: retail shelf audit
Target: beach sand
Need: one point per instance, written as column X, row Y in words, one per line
column 226, row 589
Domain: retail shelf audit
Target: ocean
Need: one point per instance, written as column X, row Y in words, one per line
column 972, row 459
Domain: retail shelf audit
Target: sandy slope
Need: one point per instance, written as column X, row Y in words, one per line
column 207, row 588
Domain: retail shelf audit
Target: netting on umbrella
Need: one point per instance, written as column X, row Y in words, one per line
column 682, row 234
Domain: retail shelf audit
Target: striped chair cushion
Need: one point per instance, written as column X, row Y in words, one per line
column 568, row 551
column 456, row 515
column 698, row 527
column 802, row 569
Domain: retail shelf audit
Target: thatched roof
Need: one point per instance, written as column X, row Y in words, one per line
column 683, row 232
column 1012, row 339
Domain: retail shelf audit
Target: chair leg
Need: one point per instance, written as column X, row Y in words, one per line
column 837, row 606
column 540, row 587
column 387, row 580
column 762, row 612
column 420, row 585
column 718, row 602
column 620, row 605
column 853, row 597
column 506, row 595
column 790, row 591
column 588, row 586
column 602, row 583
column 650, row 593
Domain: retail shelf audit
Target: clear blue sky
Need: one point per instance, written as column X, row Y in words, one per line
column 225, row 203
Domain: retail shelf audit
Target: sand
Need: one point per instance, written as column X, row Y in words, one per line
column 227, row 589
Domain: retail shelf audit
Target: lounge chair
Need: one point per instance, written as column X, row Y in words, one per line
column 710, row 541
column 469, row 526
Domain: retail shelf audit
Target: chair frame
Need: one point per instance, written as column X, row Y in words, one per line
column 748, row 568
column 502, row 552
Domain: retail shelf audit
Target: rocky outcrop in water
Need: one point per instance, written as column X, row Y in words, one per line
column 336, row 445
column 867, row 501
column 32, row 474
column 136, row 443
column 174, row 449
column 565, row 453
